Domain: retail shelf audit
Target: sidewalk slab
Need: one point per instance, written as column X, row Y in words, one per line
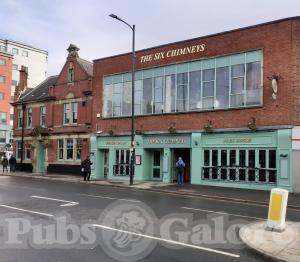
column 284, row 246
column 210, row 192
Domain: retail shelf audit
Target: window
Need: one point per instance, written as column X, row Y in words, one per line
column 2, row 96
column 240, row 165
column 42, row 116
column 3, row 118
column 2, row 136
column 69, row 149
column 60, row 149
column 182, row 89
column 70, row 113
column 18, row 149
column 25, row 53
column 195, row 91
column 122, row 160
column 2, row 48
column 29, row 117
column 14, row 82
column 15, row 51
column 15, row 67
column 20, row 118
column 78, row 148
column 71, row 72
column 2, row 79
column 27, row 153
column 2, row 62
column 225, row 82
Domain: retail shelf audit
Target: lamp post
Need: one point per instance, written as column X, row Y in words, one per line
column 132, row 149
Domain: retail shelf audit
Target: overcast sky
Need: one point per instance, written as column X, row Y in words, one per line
column 54, row 24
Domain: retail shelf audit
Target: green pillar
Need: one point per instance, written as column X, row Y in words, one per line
column 196, row 158
column 138, row 169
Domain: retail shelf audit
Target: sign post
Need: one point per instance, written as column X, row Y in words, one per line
column 277, row 209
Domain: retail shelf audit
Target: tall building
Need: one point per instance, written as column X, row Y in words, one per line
column 33, row 58
column 5, row 97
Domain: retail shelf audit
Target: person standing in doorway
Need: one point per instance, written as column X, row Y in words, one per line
column 86, row 168
column 12, row 163
column 180, row 165
column 4, row 163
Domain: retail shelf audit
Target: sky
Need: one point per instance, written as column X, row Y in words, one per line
column 53, row 24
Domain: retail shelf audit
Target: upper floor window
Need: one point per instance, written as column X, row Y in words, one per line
column 3, row 118
column 2, row 79
column 2, row 48
column 2, row 96
column 70, row 113
column 15, row 51
column 14, row 82
column 29, row 117
column 219, row 83
column 18, row 149
column 25, row 53
column 20, row 118
column 42, row 116
column 71, row 72
column 2, row 62
column 15, row 67
column 2, row 136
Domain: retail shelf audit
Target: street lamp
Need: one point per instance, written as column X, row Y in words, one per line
column 132, row 150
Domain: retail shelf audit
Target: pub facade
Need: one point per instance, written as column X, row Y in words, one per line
column 228, row 104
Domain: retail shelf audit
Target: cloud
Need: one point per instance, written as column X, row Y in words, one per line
column 53, row 25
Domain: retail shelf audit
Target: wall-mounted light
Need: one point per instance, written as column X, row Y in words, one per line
column 274, row 84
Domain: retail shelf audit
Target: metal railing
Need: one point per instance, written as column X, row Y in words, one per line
column 240, row 174
column 121, row 170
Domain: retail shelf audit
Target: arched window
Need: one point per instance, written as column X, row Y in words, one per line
column 71, row 72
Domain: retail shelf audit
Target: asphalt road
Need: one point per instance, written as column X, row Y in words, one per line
column 43, row 220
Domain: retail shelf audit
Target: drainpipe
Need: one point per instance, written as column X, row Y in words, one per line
column 22, row 137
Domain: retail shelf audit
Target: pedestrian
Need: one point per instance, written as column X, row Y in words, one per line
column 12, row 163
column 4, row 163
column 180, row 165
column 86, row 168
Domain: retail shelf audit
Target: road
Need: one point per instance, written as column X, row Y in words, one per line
column 42, row 220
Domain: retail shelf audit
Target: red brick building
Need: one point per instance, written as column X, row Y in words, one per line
column 53, row 122
column 5, row 98
column 227, row 103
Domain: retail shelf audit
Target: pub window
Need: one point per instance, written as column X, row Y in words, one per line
column 2, row 62
column 78, row 148
column 214, row 162
column 3, row 118
column 126, row 99
column 27, row 153
column 70, row 113
column 60, row 149
column 29, row 117
column 66, row 114
column 74, row 118
column 2, row 96
column 71, row 72
column 237, row 85
column 70, row 149
column 18, row 149
column 42, row 116
column 20, row 118
column 147, row 96
column 2, row 79
column 218, row 83
column 208, row 83
column 195, row 91
column 169, row 94
column 158, row 95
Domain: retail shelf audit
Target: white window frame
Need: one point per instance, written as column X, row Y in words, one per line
column 64, row 148
column 70, row 114
column 43, row 116
column 20, row 118
column 29, row 116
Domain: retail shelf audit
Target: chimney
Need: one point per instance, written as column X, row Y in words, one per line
column 73, row 50
column 22, row 85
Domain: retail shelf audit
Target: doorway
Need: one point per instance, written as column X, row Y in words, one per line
column 40, row 167
column 185, row 154
column 157, row 165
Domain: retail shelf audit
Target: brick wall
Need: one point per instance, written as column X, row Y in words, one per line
column 276, row 41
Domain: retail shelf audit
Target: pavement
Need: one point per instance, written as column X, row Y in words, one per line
column 211, row 192
column 279, row 246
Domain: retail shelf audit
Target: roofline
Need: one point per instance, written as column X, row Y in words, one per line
column 48, row 98
column 202, row 37
column 26, row 45
column 6, row 54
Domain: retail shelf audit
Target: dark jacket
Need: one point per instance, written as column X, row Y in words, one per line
column 12, row 160
column 86, row 165
column 4, row 161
